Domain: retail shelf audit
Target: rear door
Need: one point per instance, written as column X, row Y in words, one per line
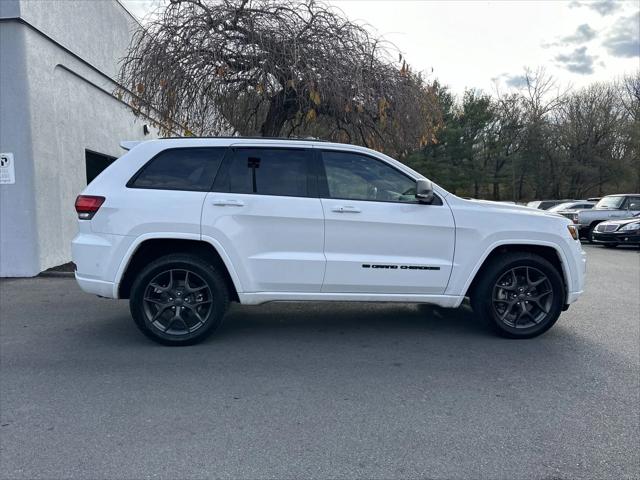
column 378, row 237
column 265, row 212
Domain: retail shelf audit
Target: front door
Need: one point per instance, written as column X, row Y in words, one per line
column 266, row 214
column 378, row 237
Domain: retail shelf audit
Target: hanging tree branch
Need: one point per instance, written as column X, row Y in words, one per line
column 267, row 67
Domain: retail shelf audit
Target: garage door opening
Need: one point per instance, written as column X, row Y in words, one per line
column 96, row 163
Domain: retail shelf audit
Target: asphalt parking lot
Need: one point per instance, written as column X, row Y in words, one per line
column 321, row 390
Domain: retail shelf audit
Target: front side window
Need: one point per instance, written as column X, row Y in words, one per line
column 180, row 169
column 352, row 176
column 269, row 171
column 633, row 203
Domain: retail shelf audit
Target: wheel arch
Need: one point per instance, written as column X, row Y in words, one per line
column 150, row 248
column 549, row 252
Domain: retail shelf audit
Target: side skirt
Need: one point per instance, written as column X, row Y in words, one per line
column 256, row 298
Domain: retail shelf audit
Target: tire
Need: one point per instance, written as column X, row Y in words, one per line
column 590, row 233
column 532, row 312
column 178, row 299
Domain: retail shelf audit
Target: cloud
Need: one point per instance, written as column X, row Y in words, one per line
column 578, row 61
column 515, row 81
column 603, row 7
column 510, row 80
column 584, row 33
column 623, row 39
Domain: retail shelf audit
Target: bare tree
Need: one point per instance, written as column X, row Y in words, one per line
column 277, row 68
column 541, row 97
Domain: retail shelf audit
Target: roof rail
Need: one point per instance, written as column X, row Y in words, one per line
column 297, row 139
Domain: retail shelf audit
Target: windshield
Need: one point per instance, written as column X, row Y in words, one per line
column 610, row 202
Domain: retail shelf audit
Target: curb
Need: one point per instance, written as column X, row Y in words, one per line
column 56, row 274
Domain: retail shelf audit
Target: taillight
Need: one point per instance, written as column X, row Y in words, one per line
column 87, row 206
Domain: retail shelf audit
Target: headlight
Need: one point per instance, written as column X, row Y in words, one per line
column 574, row 218
column 629, row 227
column 573, row 231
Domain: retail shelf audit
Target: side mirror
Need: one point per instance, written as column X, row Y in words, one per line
column 424, row 190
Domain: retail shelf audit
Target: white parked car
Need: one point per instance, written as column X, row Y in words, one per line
column 567, row 207
column 181, row 227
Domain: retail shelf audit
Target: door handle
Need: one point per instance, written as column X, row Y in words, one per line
column 227, row 202
column 346, row 209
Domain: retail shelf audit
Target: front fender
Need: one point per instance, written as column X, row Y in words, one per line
column 460, row 285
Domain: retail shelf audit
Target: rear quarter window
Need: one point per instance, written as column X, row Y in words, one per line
column 191, row 169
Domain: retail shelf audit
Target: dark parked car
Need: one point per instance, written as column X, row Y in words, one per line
column 618, row 232
column 611, row 207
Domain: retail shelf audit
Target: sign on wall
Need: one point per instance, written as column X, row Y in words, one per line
column 7, row 170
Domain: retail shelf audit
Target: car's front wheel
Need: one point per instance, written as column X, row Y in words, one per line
column 178, row 299
column 519, row 294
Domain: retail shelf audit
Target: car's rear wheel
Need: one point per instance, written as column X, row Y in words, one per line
column 519, row 295
column 178, row 299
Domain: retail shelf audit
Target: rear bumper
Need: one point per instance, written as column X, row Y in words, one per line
column 97, row 287
column 616, row 238
column 97, row 258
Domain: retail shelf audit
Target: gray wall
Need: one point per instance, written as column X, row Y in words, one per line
column 18, row 249
column 56, row 101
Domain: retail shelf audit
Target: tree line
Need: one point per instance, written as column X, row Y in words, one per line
column 298, row 68
column 537, row 142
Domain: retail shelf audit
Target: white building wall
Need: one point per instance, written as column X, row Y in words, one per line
column 69, row 108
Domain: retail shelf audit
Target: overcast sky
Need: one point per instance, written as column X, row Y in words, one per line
column 474, row 43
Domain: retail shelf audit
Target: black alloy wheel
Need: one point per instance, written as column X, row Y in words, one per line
column 177, row 302
column 518, row 294
column 179, row 299
column 522, row 297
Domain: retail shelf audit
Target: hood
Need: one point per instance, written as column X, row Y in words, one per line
column 623, row 221
column 511, row 207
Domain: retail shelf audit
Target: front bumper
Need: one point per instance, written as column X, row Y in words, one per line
column 617, row 238
column 575, row 270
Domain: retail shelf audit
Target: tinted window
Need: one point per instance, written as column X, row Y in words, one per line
column 269, row 171
column 633, row 203
column 357, row 177
column 180, row 169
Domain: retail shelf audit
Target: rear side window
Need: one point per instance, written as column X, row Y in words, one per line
column 269, row 171
column 180, row 169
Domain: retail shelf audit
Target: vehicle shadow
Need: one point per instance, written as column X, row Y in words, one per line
column 305, row 322
column 311, row 318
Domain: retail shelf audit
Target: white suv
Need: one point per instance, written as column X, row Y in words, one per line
column 181, row 227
